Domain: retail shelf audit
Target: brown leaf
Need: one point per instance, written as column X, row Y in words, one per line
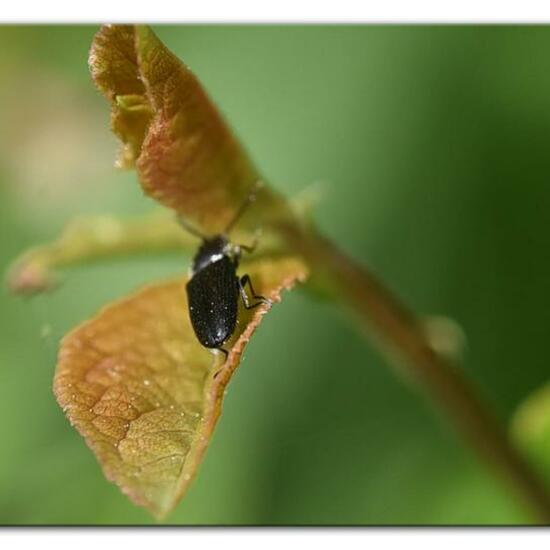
column 138, row 386
column 187, row 157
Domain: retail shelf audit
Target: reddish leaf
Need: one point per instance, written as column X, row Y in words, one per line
column 187, row 157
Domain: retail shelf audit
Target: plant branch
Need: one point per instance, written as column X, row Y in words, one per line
column 402, row 339
column 399, row 335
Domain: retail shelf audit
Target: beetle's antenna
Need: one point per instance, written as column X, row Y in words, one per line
column 246, row 203
column 189, row 228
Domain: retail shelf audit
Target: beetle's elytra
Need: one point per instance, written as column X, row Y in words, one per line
column 214, row 288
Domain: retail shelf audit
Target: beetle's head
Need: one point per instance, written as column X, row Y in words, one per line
column 212, row 250
column 216, row 244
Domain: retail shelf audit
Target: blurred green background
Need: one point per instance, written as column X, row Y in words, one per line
column 432, row 146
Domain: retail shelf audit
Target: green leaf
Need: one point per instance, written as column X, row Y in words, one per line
column 92, row 238
column 531, row 428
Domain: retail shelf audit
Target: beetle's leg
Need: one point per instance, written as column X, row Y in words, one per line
column 251, row 247
column 261, row 300
column 226, row 353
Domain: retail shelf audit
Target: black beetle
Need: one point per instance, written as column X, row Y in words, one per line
column 214, row 288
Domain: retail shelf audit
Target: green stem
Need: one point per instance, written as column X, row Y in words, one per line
column 402, row 339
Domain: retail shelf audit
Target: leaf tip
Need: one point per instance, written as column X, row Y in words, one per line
column 28, row 277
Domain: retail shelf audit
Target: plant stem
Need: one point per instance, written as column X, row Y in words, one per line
column 402, row 339
column 398, row 334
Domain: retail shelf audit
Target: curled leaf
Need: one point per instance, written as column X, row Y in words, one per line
column 138, row 386
column 113, row 65
column 187, row 157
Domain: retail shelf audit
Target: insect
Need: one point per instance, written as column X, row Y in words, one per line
column 214, row 288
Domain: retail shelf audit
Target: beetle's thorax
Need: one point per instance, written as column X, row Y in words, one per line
column 213, row 250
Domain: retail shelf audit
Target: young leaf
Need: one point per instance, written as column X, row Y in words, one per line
column 139, row 387
column 531, row 428
column 92, row 238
